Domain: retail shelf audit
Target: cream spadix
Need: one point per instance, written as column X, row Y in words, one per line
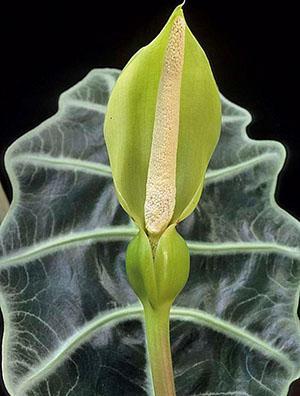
column 161, row 127
column 161, row 180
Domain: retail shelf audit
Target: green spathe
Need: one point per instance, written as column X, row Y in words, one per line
column 130, row 118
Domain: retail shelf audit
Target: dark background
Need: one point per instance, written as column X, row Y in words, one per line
column 46, row 48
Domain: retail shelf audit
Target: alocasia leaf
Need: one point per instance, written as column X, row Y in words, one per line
column 73, row 325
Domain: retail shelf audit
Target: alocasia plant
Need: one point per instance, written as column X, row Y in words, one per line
column 73, row 325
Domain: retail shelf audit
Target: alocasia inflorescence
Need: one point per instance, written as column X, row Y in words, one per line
column 162, row 124
column 72, row 323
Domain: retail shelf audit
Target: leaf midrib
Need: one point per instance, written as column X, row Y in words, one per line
column 120, row 315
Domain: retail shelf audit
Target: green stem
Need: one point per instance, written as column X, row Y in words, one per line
column 159, row 350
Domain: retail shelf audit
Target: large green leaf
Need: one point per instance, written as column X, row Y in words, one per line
column 72, row 324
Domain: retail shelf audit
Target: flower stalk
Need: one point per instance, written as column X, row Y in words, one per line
column 159, row 350
column 157, row 277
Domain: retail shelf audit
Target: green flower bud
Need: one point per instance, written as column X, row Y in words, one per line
column 157, row 280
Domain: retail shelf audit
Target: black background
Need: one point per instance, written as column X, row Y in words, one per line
column 48, row 47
